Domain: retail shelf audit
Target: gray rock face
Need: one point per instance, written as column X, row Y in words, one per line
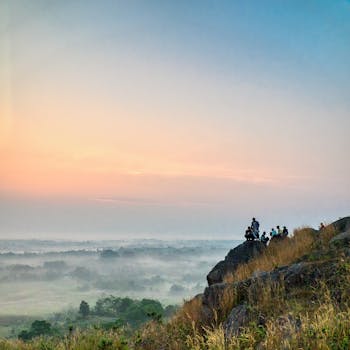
column 342, row 225
column 237, row 319
column 292, row 276
column 237, row 256
column 343, row 239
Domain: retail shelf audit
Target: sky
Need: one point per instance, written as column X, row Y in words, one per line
column 172, row 119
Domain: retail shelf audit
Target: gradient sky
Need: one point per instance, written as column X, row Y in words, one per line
column 172, row 119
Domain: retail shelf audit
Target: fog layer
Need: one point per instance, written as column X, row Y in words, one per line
column 41, row 277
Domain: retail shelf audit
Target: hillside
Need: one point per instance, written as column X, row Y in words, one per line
column 292, row 294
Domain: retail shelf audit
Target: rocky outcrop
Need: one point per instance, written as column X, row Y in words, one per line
column 327, row 263
column 237, row 256
column 343, row 238
column 342, row 225
column 303, row 274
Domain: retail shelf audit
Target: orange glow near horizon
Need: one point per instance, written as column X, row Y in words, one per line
column 77, row 149
column 90, row 173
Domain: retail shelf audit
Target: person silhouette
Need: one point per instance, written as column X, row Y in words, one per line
column 255, row 228
column 249, row 234
column 264, row 239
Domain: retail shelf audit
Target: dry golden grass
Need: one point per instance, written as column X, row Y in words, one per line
column 227, row 302
column 326, row 234
column 268, row 296
column 211, row 339
column 191, row 312
column 157, row 336
column 186, row 323
column 325, row 327
column 278, row 253
column 92, row 339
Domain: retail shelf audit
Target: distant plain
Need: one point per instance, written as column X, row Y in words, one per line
column 41, row 277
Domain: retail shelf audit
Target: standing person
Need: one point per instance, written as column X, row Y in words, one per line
column 285, row 231
column 322, row 226
column 255, row 228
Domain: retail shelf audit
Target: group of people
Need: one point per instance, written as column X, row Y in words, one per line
column 252, row 232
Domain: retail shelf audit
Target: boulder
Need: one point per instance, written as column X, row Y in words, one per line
column 237, row 319
column 343, row 239
column 237, row 256
column 342, row 225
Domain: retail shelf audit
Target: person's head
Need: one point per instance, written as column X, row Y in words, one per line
column 253, row 219
column 277, row 226
column 284, row 227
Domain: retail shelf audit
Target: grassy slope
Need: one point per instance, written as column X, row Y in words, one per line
column 309, row 318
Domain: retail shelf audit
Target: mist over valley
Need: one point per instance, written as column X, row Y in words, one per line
column 39, row 277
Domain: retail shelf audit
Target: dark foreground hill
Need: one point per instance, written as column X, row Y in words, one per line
column 293, row 294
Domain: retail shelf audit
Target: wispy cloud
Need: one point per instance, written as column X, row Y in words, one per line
column 151, row 202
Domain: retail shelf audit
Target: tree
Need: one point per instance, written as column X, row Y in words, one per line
column 84, row 308
column 37, row 328
column 40, row 327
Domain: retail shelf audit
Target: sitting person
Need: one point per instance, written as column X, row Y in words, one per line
column 279, row 231
column 273, row 233
column 264, row 239
column 285, row 231
column 249, row 235
column 322, row 226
